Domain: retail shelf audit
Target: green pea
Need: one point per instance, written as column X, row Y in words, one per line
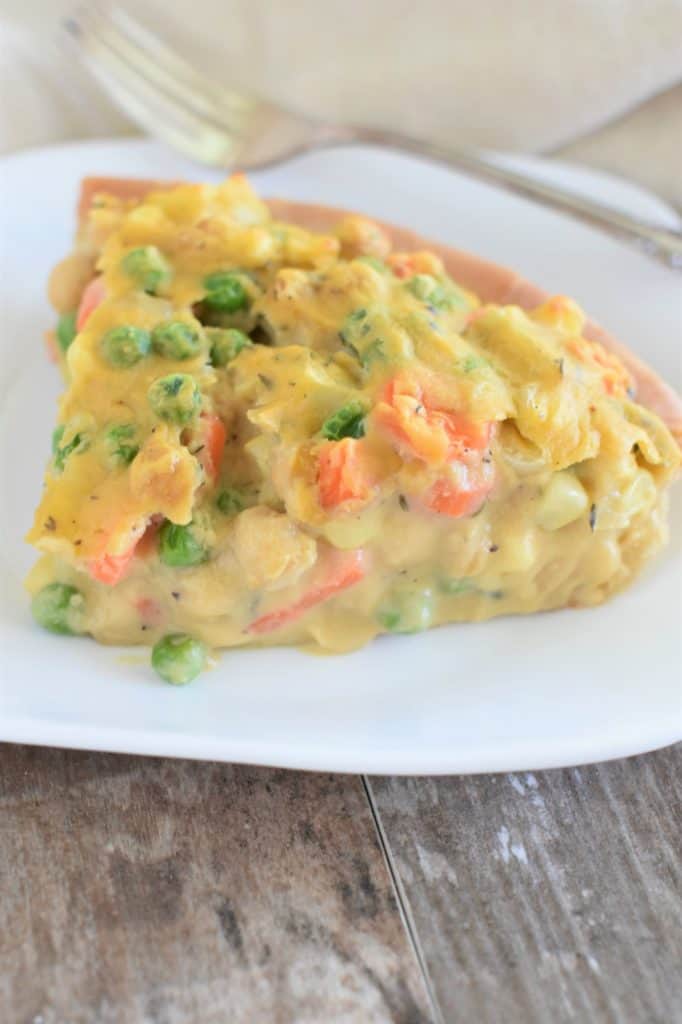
column 429, row 290
column 179, row 547
column 176, row 340
column 226, row 343
column 178, row 658
column 348, row 421
column 124, row 346
column 230, row 502
column 79, row 443
column 407, row 612
column 225, row 292
column 66, row 330
column 175, row 398
column 422, row 286
column 121, row 444
column 147, row 267
column 58, row 607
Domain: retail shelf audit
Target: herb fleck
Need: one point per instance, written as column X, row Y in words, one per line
column 374, row 351
column 79, row 443
column 474, row 363
column 348, row 421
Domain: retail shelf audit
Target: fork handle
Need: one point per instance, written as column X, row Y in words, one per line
column 661, row 243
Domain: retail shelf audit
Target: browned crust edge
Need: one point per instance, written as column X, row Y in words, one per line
column 492, row 283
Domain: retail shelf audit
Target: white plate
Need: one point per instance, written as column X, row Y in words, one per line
column 512, row 694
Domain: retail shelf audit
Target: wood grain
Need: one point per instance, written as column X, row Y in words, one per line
column 140, row 891
column 546, row 897
column 148, row 891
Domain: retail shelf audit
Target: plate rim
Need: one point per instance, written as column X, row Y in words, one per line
column 147, row 743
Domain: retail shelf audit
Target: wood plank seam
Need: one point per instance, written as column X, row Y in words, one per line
column 403, row 903
column 548, row 896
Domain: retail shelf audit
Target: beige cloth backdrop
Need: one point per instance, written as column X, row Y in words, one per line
column 594, row 80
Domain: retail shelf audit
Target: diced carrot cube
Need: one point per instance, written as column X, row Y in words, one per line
column 402, row 264
column 464, row 433
column 405, row 264
column 110, row 569
column 447, row 499
column 343, row 474
column 463, row 488
column 420, row 429
column 615, row 378
column 95, row 293
column 213, row 434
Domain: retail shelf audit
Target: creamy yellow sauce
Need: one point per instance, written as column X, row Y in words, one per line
column 497, row 464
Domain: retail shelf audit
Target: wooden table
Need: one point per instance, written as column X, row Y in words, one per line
column 167, row 892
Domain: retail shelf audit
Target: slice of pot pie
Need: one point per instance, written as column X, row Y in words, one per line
column 285, row 424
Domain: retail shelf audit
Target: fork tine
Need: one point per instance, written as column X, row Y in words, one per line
column 160, row 113
column 168, row 98
column 222, row 106
column 174, row 70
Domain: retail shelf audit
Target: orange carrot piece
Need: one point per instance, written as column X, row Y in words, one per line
column 463, row 488
column 405, row 264
column 111, row 569
column 447, row 498
column 214, row 435
column 342, row 473
column 464, row 434
column 615, row 378
column 402, row 264
column 420, row 429
column 95, row 293
column 342, row 570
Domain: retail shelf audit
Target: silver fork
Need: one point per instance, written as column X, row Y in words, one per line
column 223, row 127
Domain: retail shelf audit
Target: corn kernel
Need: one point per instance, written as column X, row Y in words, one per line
column 563, row 501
